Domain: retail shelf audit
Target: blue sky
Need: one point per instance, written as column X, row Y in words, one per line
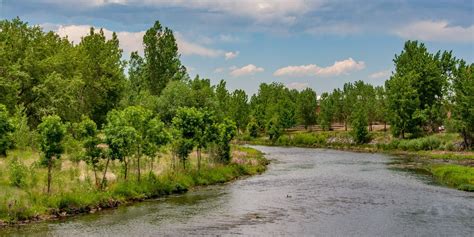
column 300, row 43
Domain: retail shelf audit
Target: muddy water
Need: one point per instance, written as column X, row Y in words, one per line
column 304, row 192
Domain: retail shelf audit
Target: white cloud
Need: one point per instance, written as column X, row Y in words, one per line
column 131, row 41
column 297, row 85
column 338, row 68
column 189, row 48
column 231, row 55
column 334, row 29
column 246, row 70
column 219, row 70
column 381, row 74
column 284, row 11
column 436, row 31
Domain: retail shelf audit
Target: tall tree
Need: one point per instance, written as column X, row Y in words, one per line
column 306, row 107
column 162, row 58
column 463, row 102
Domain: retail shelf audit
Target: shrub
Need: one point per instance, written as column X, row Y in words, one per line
column 18, row 173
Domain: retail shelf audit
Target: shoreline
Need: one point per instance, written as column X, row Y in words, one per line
column 237, row 171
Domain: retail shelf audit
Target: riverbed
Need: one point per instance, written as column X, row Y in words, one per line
column 315, row 192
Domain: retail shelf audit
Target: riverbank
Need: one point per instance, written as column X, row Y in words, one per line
column 74, row 190
column 438, row 154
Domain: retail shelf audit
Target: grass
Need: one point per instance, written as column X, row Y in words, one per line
column 457, row 176
column 74, row 189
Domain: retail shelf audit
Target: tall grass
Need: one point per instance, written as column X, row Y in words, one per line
column 23, row 198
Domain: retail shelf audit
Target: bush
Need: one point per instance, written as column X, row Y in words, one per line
column 18, row 173
column 359, row 124
column 6, row 129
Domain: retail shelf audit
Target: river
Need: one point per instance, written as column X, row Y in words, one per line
column 304, row 192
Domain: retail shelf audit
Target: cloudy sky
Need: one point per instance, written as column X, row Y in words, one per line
column 300, row 43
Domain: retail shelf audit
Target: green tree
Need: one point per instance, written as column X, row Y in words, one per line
column 252, row 128
column 239, row 109
column 177, row 94
column 463, row 102
column 425, row 74
column 403, row 104
column 274, row 129
column 187, row 122
column 326, row 111
column 87, row 132
column 6, row 130
column 359, row 123
column 306, row 107
column 121, row 138
column 103, row 79
column 52, row 132
column 162, row 58
column 227, row 131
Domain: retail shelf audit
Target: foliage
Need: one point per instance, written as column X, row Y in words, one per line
column 162, row 58
column 52, row 132
column 306, row 107
column 227, row 131
column 6, row 129
column 274, row 129
column 463, row 103
column 359, row 123
column 18, row 173
column 252, row 128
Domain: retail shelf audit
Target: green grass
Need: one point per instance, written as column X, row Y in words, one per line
column 457, row 176
column 73, row 195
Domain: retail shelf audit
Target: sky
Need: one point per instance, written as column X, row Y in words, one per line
column 300, row 43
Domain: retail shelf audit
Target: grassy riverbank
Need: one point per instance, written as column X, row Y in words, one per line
column 22, row 183
column 440, row 154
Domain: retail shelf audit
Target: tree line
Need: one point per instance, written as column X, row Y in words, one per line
column 51, row 87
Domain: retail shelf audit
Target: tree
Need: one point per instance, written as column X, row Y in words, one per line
column 101, row 68
column 187, row 122
column 252, row 128
column 121, row 138
column 274, row 129
column 177, row 94
column 52, row 132
column 424, row 72
column 227, row 131
column 87, row 132
column 162, row 58
column 156, row 136
column 403, row 104
column 239, row 109
column 463, row 102
column 6, row 129
column 326, row 111
column 306, row 107
column 359, row 123
column 206, row 132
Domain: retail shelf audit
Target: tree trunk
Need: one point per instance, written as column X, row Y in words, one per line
column 50, row 165
column 105, row 172
column 95, row 176
column 345, row 125
column 125, row 162
column 138, row 167
column 384, row 126
column 198, row 151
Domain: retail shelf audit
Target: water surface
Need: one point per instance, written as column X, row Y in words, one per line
column 304, row 192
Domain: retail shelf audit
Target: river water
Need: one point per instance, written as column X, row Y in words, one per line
column 305, row 192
